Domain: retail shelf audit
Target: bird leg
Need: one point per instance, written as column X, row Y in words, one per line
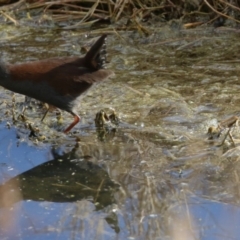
column 45, row 114
column 75, row 121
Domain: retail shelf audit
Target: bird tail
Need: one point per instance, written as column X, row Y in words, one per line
column 97, row 55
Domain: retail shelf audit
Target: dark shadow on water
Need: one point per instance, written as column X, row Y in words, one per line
column 68, row 178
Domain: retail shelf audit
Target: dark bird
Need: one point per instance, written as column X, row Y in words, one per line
column 59, row 82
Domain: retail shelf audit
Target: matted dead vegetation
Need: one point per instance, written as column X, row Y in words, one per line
column 82, row 13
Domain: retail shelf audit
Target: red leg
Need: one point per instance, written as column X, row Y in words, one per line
column 75, row 121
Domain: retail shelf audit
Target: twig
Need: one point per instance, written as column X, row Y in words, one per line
column 222, row 14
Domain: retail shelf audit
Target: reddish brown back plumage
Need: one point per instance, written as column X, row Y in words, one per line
column 58, row 81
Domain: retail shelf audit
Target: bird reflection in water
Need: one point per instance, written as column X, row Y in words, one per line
column 67, row 178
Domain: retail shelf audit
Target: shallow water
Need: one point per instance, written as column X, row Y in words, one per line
column 156, row 176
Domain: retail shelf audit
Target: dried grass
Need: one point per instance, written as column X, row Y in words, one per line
column 193, row 13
